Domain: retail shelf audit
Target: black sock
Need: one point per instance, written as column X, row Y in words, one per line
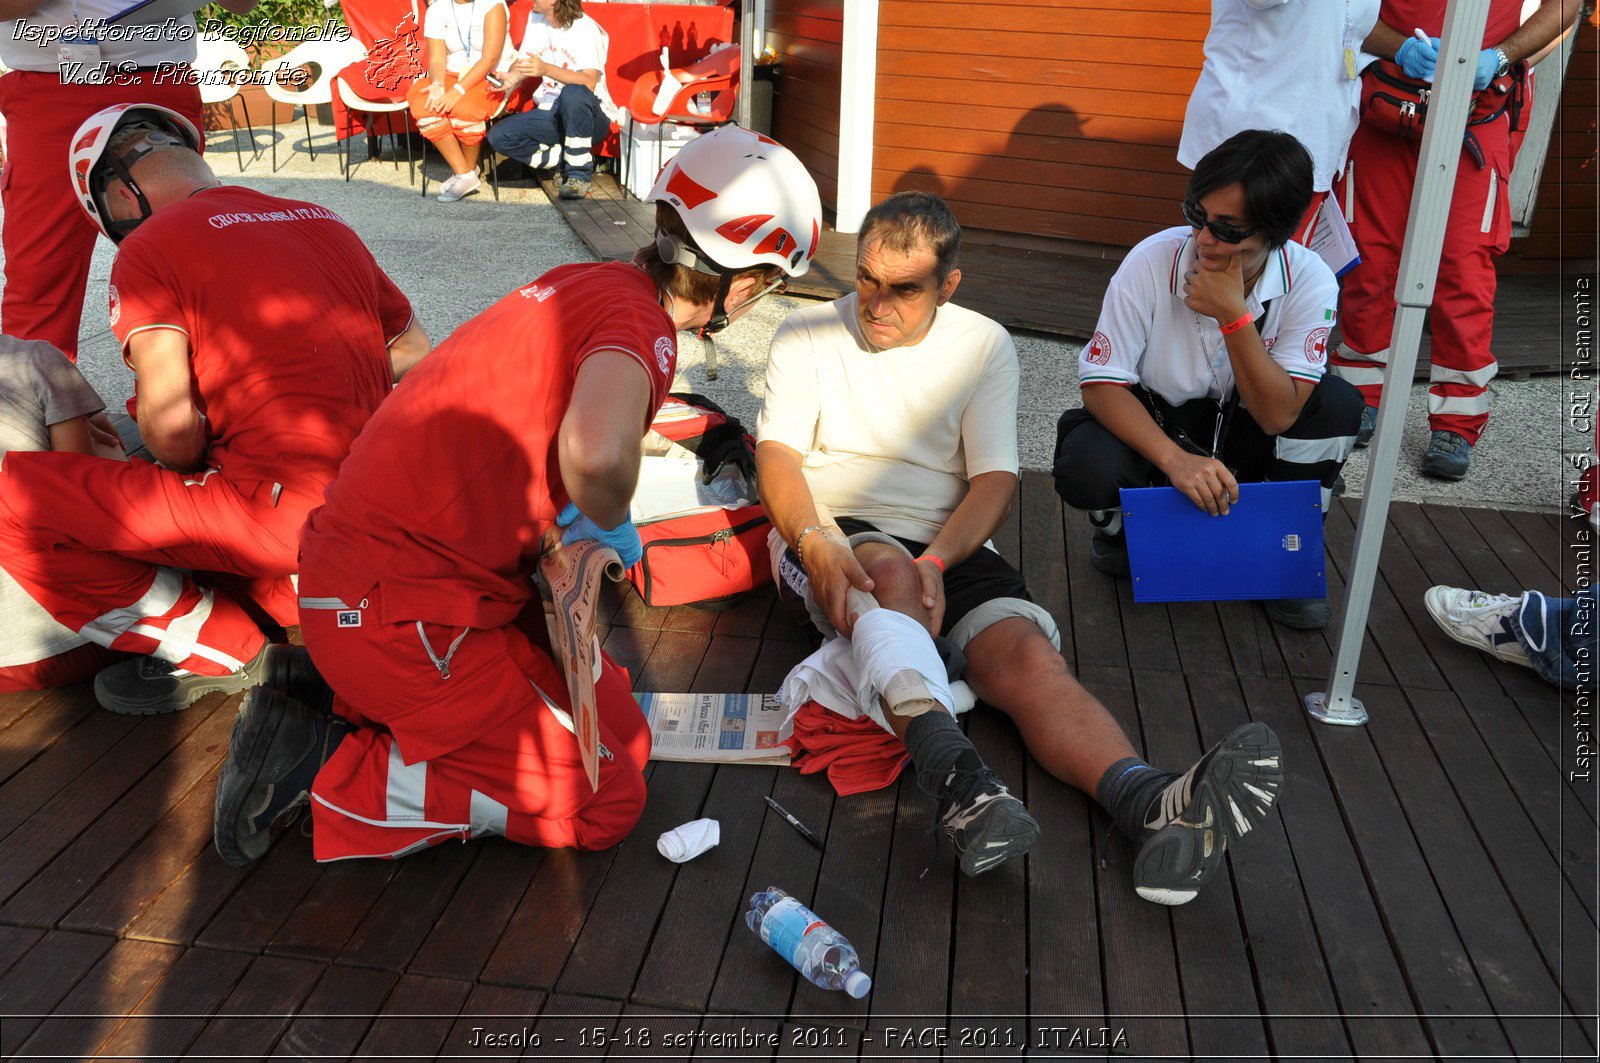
column 1127, row 790
column 937, row 746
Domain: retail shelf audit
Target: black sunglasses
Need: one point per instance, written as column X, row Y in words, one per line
column 1228, row 234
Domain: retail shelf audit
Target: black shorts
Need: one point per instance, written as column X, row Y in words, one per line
column 983, row 577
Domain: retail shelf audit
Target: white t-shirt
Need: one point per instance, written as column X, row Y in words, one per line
column 1279, row 64
column 892, row 437
column 141, row 45
column 1147, row 336
column 460, row 27
column 580, row 46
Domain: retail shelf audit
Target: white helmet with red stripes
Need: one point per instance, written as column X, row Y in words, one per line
column 746, row 201
column 90, row 165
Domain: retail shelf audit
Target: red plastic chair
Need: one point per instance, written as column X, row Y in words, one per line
column 717, row 74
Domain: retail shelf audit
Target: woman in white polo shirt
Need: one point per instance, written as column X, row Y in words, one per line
column 1207, row 363
column 1293, row 65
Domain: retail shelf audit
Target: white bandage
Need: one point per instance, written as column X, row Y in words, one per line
column 889, row 645
column 690, row 840
column 997, row 609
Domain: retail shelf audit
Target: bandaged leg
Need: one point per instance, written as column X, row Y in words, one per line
column 997, row 609
column 897, row 658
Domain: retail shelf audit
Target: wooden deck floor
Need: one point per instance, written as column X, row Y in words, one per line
column 1061, row 293
column 1429, row 887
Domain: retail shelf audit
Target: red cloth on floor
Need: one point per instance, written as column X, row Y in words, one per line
column 858, row 755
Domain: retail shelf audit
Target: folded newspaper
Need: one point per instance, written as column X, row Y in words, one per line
column 717, row 728
column 572, row 575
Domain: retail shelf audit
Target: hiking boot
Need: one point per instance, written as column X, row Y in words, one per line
column 1369, row 425
column 575, row 187
column 987, row 825
column 458, row 186
column 1109, row 553
column 290, row 671
column 1306, row 614
column 1479, row 620
column 1225, row 796
column 147, row 686
column 277, row 747
column 1447, row 457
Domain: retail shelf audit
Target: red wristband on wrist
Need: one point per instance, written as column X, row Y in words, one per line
column 937, row 562
column 1234, row 326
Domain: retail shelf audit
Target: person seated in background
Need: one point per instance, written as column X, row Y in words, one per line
column 1207, row 363
column 562, row 63
column 252, row 381
column 1557, row 637
column 45, row 404
column 897, row 409
column 453, row 102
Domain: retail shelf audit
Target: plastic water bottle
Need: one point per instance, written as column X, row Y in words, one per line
column 814, row 948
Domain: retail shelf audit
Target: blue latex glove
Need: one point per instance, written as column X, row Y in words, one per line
column 624, row 538
column 1418, row 57
column 1488, row 63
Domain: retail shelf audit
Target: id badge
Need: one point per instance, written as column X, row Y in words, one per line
column 78, row 59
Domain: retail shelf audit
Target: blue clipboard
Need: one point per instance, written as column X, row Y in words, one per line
column 1268, row 546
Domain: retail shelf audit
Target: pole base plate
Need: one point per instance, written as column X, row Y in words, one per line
column 1354, row 715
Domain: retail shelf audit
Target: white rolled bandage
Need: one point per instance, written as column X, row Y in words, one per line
column 690, row 840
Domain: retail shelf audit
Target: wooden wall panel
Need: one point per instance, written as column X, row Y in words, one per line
column 1564, row 219
column 807, row 36
column 1055, row 119
column 1061, row 118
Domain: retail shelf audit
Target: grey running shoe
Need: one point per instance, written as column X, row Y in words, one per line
column 1307, row 614
column 574, row 188
column 987, row 825
column 1109, row 553
column 276, row 749
column 146, row 686
column 1226, row 795
column 1369, row 425
column 1447, row 457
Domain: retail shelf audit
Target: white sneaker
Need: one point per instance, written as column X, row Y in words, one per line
column 1479, row 620
column 458, row 186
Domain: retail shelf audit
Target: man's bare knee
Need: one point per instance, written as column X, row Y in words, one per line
column 895, row 582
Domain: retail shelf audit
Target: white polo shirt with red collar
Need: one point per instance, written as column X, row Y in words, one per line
column 1147, row 336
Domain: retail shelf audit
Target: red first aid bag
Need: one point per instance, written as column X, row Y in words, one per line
column 696, row 508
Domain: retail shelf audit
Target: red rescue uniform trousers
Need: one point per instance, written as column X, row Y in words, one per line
column 1376, row 187
column 108, row 547
column 468, row 120
column 47, row 236
column 458, row 738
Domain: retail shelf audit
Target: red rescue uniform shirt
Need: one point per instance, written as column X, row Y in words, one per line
column 447, row 492
column 1403, row 16
column 288, row 366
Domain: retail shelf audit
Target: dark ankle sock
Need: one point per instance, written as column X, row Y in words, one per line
column 1126, row 791
column 937, row 746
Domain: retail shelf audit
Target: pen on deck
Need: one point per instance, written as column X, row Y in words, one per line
column 805, row 832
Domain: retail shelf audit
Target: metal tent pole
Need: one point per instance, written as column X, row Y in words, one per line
column 747, row 59
column 1464, row 22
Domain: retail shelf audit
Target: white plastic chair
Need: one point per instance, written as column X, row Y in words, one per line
column 216, row 54
column 348, row 97
column 327, row 58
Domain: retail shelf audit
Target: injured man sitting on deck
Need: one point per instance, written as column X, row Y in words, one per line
column 896, row 409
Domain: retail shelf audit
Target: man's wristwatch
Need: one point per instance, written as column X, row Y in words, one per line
column 1503, row 67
